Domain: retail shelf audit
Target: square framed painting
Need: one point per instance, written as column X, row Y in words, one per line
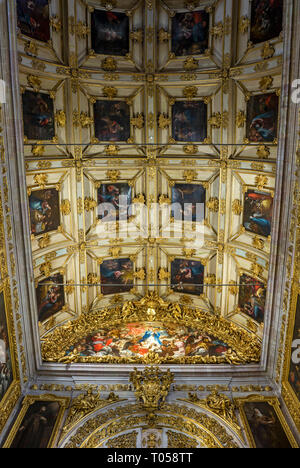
column 258, row 210
column 266, row 20
column 50, row 296
column 117, row 276
column 190, row 202
column 44, row 211
column 112, row 120
column 264, row 423
column 252, row 298
column 189, row 121
column 38, row 422
column 33, row 19
column 114, row 202
column 38, row 116
column 187, row 276
column 190, row 33
column 262, row 118
column 110, row 33
column 6, row 355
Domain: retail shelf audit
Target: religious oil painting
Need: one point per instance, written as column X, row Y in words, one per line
column 262, row 118
column 266, row 20
column 114, row 201
column 38, row 116
column 112, row 120
column 258, row 210
column 190, row 202
column 6, row 372
column 117, row 276
column 37, row 425
column 110, row 33
column 189, row 121
column 138, row 339
column 265, row 426
column 44, row 211
column 294, row 371
column 190, row 33
column 33, row 19
column 187, row 276
column 50, row 297
column 252, row 298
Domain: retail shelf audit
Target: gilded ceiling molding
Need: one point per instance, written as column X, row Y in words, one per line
column 244, row 347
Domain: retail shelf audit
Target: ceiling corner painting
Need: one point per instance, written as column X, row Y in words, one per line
column 50, row 297
column 44, row 211
column 189, row 121
column 252, row 298
column 116, row 276
column 112, row 120
column 33, row 19
column 266, row 20
column 262, row 118
column 187, row 276
column 190, row 33
column 38, row 116
column 6, row 369
column 258, row 210
column 110, row 33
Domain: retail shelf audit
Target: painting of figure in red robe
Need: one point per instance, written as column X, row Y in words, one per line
column 50, row 297
column 37, row 426
column 190, row 33
column 294, row 374
column 252, row 298
column 266, row 20
column 262, row 118
column 112, row 120
column 38, row 116
column 6, row 373
column 33, row 19
column 258, row 209
column 44, row 211
column 187, row 276
column 110, row 33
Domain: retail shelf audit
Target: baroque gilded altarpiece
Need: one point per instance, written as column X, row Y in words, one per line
column 70, row 164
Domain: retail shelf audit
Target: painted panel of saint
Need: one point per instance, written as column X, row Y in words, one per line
column 44, row 211
column 138, row 339
column 110, row 33
column 187, row 276
column 33, row 19
column 294, row 373
column 50, row 297
column 265, row 426
column 38, row 116
column 119, row 196
column 6, row 372
column 191, row 199
column 262, row 118
column 258, row 210
column 189, row 121
column 116, row 276
column 112, row 120
column 190, row 33
column 37, row 426
column 266, row 20
column 252, row 298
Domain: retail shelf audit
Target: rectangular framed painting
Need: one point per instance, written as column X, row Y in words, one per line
column 262, row 118
column 258, row 209
column 114, row 201
column 33, row 19
column 190, row 33
column 187, row 276
column 117, row 276
column 294, row 370
column 264, row 423
column 112, row 120
column 266, row 20
column 50, row 297
column 6, row 363
column 190, row 202
column 44, row 211
column 38, row 422
column 38, row 116
column 110, row 33
column 189, row 121
column 252, row 297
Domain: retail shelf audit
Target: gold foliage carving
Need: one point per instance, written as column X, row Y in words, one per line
column 163, row 35
column 178, row 440
column 138, row 121
column 34, row 82
column 109, row 64
column 65, row 207
column 164, row 121
column 110, row 92
column 190, row 92
column 237, row 207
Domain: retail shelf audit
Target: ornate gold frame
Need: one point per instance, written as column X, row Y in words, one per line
column 272, row 401
column 27, row 402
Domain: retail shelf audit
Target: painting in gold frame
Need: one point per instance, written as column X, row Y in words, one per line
column 291, row 374
column 6, row 367
column 38, row 422
column 264, row 422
